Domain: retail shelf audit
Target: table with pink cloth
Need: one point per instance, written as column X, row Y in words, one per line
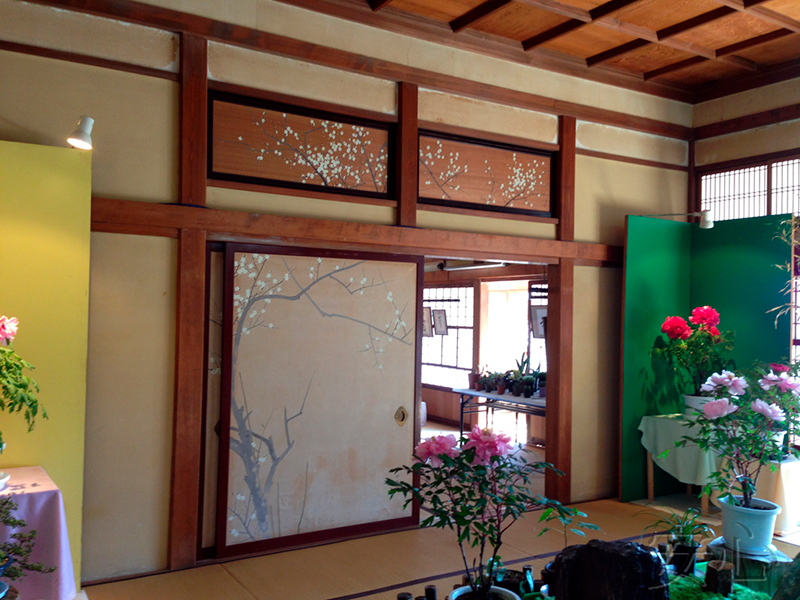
column 42, row 507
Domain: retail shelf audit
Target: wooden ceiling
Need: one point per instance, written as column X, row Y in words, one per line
column 691, row 50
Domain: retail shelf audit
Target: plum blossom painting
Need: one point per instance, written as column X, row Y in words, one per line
column 321, row 353
column 457, row 172
column 264, row 143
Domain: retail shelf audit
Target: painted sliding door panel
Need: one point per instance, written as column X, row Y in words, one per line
column 455, row 172
column 258, row 142
column 322, row 355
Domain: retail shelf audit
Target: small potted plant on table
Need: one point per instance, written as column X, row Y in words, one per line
column 682, row 530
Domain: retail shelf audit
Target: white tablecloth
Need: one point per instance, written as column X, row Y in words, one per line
column 688, row 464
column 42, row 507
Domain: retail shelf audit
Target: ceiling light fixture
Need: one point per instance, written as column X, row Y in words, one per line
column 444, row 266
column 82, row 136
column 706, row 222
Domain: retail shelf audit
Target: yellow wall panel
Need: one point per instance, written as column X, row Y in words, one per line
column 45, row 200
column 428, row 219
column 607, row 190
column 135, row 133
column 595, row 382
column 129, row 404
column 624, row 142
column 750, row 102
column 753, row 142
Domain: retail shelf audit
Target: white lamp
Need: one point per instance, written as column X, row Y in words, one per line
column 706, row 222
column 82, row 136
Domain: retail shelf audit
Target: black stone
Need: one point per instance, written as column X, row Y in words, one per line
column 610, row 571
column 789, row 588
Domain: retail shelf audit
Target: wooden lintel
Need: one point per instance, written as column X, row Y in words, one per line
column 238, row 226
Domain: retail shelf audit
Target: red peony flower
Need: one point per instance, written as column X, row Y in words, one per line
column 705, row 315
column 713, row 330
column 776, row 368
column 676, row 327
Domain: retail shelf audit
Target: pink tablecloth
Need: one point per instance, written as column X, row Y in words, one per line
column 42, row 507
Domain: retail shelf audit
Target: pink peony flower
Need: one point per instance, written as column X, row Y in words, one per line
column 714, row 409
column 430, row 449
column 676, row 327
column 713, row 330
column 787, row 384
column 487, row 444
column 705, row 315
column 767, row 381
column 776, row 368
column 771, row 411
column 735, row 385
column 8, row 329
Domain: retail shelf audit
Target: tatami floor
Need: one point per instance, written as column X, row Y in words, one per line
column 378, row 567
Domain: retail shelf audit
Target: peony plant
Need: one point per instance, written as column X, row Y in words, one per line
column 749, row 423
column 479, row 489
column 17, row 390
column 695, row 349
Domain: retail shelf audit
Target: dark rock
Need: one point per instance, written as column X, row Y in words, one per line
column 610, row 571
column 789, row 588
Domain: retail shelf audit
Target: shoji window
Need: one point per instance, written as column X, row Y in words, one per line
column 447, row 359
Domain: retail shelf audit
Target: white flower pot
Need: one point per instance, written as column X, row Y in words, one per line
column 749, row 530
column 693, row 403
column 501, row 592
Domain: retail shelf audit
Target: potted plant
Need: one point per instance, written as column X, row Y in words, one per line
column 474, row 376
column 500, row 383
column 695, row 351
column 17, row 390
column 745, row 423
column 478, row 490
column 682, row 530
column 541, row 384
column 528, row 382
column 16, row 552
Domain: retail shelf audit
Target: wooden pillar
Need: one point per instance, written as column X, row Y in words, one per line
column 693, row 201
column 406, row 172
column 565, row 211
column 558, row 449
column 189, row 341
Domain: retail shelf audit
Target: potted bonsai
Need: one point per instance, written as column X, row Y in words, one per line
column 682, row 531
column 17, row 390
column 746, row 421
column 478, row 490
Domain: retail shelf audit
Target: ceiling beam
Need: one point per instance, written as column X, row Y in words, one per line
column 765, row 14
column 476, row 14
column 595, row 14
column 674, row 67
column 694, row 22
column 377, row 4
column 559, row 8
column 615, row 52
column 753, row 42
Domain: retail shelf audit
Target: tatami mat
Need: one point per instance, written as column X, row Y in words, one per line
column 375, row 568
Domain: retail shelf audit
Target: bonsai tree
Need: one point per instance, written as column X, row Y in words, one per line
column 17, row 390
column 15, row 554
column 682, row 530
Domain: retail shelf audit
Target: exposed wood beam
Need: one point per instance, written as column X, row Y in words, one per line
column 559, row 8
column 689, row 62
column 476, row 14
column 565, row 230
column 753, row 42
column 762, row 119
column 694, row 22
column 242, row 226
column 615, row 52
column 765, row 14
column 595, row 14
column 377, row 4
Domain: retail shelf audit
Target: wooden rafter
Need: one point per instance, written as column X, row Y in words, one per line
column 478, row 13
column 665, row 37
column 765, row 14
column 377, row 4
column 721, row 52
column 595, row 14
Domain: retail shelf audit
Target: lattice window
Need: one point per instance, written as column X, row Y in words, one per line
column 447, row 359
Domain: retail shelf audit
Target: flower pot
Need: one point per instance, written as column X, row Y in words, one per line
column 501, row 388
column 542, row 390
column 684, row 557
column 749, row 530
column 464, row 593
column 473, row 380
column 693, row 403
column 518, row 388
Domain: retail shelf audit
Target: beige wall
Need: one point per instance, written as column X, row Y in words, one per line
column 136, row 129
column 129, row 404
column 595, row 382
column 606, row 191
column 634, row 144
column 750, row 102
column 753, row 142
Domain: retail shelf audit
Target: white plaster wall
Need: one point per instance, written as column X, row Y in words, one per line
column 624, row 142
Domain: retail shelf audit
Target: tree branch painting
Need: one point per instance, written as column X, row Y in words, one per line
column 277, row 145
column 295, row 318
column 456, row 171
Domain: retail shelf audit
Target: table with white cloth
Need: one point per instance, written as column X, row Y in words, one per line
column 694, row 466
column 41, row 506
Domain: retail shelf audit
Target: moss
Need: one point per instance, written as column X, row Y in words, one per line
column 691, row 588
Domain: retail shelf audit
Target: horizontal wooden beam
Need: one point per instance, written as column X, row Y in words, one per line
column 223, row 225
column 765, row 14
column 677, row 66
column 753, row 42
column 607, row 55
column 762, row 119
column 378, row 4
column 559, row 8
column 694, row 22
column 476, row 14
